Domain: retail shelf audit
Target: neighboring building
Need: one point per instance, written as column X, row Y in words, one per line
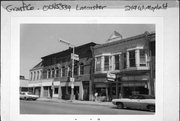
column 23, row 84
column 131, row 60
column 51, row 77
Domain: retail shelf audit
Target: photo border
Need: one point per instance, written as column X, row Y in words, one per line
column 15, row 65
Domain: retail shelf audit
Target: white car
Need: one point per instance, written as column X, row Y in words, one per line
column 144, row 102
column 28, row 96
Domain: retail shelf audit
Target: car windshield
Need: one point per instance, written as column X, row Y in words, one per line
column 142, row 97
column 30, row 93
column 22, row 93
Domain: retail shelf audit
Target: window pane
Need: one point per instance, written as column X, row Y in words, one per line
column 81, row 69
column 49, row 74
column 116, row 59
column 142, row 58
column 63, row 71
column 106, row 63
column 53, row 73
column 98, row 64
column 75, row 70
column 124, row 60
column 132, row 60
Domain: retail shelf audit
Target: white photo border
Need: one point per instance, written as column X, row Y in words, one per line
column 15, row 66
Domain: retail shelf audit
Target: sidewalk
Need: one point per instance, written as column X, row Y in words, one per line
column 76, row 101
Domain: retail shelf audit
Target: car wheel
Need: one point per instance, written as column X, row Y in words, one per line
column 120, row 105
column 151, row 108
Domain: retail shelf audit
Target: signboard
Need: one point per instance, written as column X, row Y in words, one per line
column 110, row 76
column 75, row 56
column 71, row 79
column 72, row 85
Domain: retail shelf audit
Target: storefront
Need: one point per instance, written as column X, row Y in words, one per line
column 123, row 86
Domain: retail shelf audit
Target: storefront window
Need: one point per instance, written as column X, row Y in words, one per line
column 98, row 63
column 132, row 59
column 106, row 63
column 142, row 58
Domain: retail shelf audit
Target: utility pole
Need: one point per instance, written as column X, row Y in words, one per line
column 72, row 71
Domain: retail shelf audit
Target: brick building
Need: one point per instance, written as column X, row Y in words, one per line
column 51, row 77
column 131, row 60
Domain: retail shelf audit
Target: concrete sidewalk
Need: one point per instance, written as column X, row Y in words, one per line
column 76, row 101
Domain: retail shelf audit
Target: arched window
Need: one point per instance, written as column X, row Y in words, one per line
column 63, row 71
column 76, row 69
column 53, row 73
column 31, row 76
column 49, row 73
column 37, row 75
column 81, row 69
column 34, row 76
column 57, row 72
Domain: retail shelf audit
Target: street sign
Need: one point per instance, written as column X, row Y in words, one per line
column 71, row 79
column 72, row 85
column 110, row 76
column 75, row 56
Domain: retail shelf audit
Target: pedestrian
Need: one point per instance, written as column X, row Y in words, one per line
column 96, row 95
column 120, row 95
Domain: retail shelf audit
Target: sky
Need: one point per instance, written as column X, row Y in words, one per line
column 39, row 40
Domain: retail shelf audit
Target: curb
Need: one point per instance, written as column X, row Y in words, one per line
column 74, row 102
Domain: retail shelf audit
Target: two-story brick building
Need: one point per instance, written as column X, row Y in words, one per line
column 132, row 60
column 51, row 77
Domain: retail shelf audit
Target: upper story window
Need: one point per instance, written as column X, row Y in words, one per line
column 37, row 75
column 34, row 76
column 98, row 64
column 124, row 61
column 63, row 71
column 31, row 76
column 136, row 57
column 132, row 58
column 106, row 63
column 57, row 72
column 53, row 73
column 49, row 73
column 75, row 69
column 142, row 58
column 81, row 69
column 116, row 62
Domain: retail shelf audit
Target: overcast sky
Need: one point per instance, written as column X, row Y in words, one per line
column 38, row 40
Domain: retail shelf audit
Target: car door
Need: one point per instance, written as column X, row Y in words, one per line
column 133, row 102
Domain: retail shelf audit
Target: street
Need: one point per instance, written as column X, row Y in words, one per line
column 43, row 107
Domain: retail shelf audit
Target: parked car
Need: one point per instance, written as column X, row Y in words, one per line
column 139, row 101
column 28, row 96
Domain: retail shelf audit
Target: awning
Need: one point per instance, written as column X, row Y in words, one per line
column 134, row 84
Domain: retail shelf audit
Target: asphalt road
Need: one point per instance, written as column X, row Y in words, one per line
column 41, row 107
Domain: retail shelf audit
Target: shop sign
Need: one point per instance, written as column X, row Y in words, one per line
column 111, row 77
column 74, row 56
column 72, row 85
column 71, row 79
